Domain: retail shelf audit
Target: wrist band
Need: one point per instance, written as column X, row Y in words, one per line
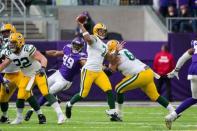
column 177, row 69
column 85, row 33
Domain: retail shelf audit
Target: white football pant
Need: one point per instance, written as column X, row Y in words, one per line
column 57, row 83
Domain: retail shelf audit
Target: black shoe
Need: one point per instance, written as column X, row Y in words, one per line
column 28, row 115
column 115, row 117
column 4, row 119
column 68, row 111
column 42, row 119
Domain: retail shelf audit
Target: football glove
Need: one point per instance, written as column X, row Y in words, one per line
column 41, row 71
column 5, row 84
column 108, row 71
column 173, row 73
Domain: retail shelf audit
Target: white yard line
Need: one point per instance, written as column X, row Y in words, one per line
column 126, row 104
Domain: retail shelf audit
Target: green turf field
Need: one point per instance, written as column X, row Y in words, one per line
column 94, row 119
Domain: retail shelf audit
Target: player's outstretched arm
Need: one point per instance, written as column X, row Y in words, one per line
column 54, row 53
column 86, row 35
column 41, row 58
column 5, row 63
column 186, row 56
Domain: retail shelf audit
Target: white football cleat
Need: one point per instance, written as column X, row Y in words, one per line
column 113, row 114
column 17, row 121
column 169, row 119
column 61, row 119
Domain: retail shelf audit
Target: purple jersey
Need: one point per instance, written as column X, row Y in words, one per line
column 71, row 63
column 194, row 56
column 193, row 66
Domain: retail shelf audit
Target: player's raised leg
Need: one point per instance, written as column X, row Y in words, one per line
column 41, row 81
column 102, row 81
column 183, row 106
column 87, row 78
column 4, row 99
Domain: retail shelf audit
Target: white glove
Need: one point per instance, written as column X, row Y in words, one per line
column 173, row 73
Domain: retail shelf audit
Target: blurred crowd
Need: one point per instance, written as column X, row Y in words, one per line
column 179, row 9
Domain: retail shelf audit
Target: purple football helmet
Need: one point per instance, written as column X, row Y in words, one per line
column 77, row 44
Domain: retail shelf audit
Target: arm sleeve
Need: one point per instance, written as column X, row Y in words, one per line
column 186, row 56
column 93, row 38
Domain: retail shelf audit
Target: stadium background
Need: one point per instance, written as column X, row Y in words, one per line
column 145, row 30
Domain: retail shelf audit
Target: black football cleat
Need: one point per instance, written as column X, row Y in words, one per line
column 28, row 115
column 68, row 111
column 42, row 119
column 115, row 117
column 4, row 119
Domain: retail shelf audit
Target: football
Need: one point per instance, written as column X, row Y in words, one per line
column 81, row 18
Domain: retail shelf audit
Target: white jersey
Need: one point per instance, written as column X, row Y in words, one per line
column 11, row 68
column 129, row 65
column 96, row 53
column 29, row 66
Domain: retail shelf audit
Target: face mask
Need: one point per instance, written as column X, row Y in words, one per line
column 12, row 47
column 75, row 51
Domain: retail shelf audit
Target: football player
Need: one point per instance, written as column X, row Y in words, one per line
column 192, row 76
column 32, row 63
column 13, row 74
column 137, row 74
column 92, row 71
column 73, row 60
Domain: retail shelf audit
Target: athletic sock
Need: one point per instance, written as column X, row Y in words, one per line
column 4, row 108
column 38, row 112
column 120, row 98
column 33, row 103
column 119, row 107
column 19, row 112
column 20, row 103
column 57, row 108
column 75, row 99
column 50, row 98
column 163, row 101
column 69, row 104
column 110, row 99
column 170, row 108
column 5, row 114
column 185, row 104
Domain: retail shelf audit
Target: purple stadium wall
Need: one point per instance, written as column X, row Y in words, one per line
column 145, row 51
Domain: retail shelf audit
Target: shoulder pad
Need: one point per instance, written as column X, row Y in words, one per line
column 29, row 49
